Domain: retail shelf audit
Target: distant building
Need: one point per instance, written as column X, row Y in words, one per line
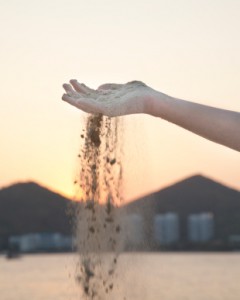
column 166, row 228
column 200, row 227
column 133, row 230
column 158, row 229
column 193, row 228
column 234, row 241
column 47, row 242
column 29, row 242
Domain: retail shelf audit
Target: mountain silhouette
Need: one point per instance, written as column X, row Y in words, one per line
column 192, row 195
column 31, row 208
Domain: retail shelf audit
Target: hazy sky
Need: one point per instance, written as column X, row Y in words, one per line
column 188, row 49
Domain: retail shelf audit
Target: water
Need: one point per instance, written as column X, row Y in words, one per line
column 165, row 276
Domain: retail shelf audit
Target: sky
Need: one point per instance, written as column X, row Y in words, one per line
column 187, row 49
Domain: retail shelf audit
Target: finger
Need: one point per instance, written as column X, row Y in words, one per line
column 109, row 86
column 80, row 87
column 77, row 86
column 90, row 105
column 86, row 105
column 73, row 102
column 70, row 91
column 69, row 99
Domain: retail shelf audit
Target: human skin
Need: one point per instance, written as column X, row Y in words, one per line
column 215, row 124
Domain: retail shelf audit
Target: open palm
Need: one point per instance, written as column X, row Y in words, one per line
column 109, row 99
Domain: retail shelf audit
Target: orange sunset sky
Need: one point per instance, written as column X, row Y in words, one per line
column 188, row 49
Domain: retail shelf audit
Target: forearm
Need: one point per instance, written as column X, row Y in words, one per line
column 218, row 125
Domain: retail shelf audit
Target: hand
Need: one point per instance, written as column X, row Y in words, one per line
column 110, row 99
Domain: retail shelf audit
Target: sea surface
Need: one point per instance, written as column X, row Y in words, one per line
column 164, row 276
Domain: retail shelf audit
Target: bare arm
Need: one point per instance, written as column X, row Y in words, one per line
column 218, row 125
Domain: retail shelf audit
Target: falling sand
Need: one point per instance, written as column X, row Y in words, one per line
column 97, row 224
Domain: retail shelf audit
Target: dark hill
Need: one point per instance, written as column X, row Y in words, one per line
column 29, row 208
column 194, row 195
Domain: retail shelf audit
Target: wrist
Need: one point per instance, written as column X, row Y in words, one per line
column 156, row 104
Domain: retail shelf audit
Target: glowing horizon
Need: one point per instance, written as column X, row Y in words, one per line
column 75, row 196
